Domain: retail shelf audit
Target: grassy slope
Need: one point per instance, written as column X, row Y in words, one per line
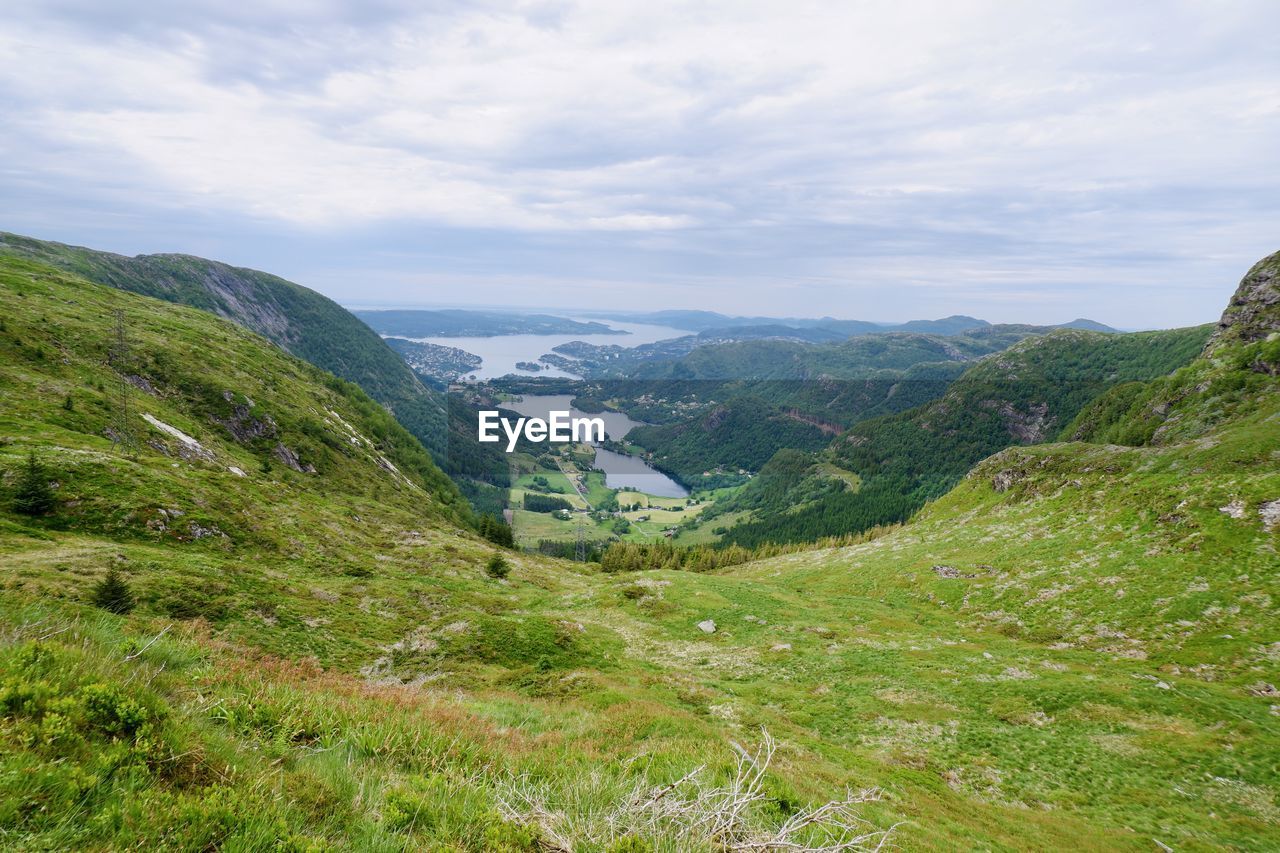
column 308, row 325
column 1077, row 691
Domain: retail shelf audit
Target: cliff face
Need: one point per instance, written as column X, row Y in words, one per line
column 1253, row 314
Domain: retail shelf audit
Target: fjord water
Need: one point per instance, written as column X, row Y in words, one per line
column 620, row 470
column 500, row 353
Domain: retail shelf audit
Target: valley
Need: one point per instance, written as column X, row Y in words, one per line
column 1063, row 634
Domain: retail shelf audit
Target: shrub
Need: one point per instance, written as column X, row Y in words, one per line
column 33, row 496
column 112, row 593
column 497, row 567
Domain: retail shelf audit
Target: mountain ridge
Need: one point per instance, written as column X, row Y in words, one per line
column 301, row 321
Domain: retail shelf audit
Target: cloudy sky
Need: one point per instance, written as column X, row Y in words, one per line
column 879, row 160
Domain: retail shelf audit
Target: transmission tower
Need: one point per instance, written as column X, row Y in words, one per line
column 580, row 550
column 118, row 357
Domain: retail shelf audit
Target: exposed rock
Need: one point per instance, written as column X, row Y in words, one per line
column 951, row 572
column 1269, row 512
column 199, row 531
column 244, row 426
column 188, row 447
column 1235, row 509
column 289, row 458
column 1004, row 480
column 780, row 647
column 1030, row 427
column 141, row 383
column 1253, row 313
column 707, row 626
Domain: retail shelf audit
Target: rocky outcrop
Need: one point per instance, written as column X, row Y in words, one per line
column 289, row 458
column 1254, row 311
column 243, row 425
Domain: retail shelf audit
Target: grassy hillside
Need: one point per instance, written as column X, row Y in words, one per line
column 1073, row 648
column 1023, row 395
column 306, row 324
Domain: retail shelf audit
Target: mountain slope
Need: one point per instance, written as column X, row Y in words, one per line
column 753, row 398
column 1023, row 395
column 1239, row 362
column 306, row 324
column 1074, row 646
column 234, row 414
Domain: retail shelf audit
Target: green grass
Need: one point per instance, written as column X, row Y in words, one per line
column 597, row 491
column 1085, row 666
column 705, row 533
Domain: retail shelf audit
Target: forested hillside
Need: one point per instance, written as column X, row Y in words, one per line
column 776, row 394
column 1024, row 395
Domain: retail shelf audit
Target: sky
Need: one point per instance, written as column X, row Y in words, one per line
column 1016, row 161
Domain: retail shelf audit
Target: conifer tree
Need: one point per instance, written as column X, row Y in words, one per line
column 34, row 495
column 112, row 593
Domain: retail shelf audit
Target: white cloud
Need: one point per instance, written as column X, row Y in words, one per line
column 991, row 137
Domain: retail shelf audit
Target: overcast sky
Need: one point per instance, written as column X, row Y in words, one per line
column 1019, row 161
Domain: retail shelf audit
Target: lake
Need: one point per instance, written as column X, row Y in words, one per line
column 620, row 470
column 500, row 353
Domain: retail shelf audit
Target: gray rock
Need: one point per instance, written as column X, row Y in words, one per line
column 1270, row 514
column 707, row 626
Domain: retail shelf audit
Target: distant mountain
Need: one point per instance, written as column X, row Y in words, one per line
column 694, row 321
column 701, row 321
column 829, row 328
column 1090, row 325
column 857, row 357
column 773, row 331
column 461, row 323
column 953, row 325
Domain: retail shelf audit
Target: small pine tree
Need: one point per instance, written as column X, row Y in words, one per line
column 33, row 496
column 496, row 531
column 112, row 593
column 497, row 567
